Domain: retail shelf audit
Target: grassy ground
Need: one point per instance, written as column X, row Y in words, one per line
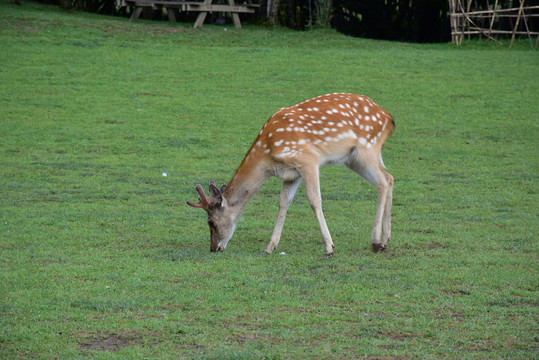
column 101, row 258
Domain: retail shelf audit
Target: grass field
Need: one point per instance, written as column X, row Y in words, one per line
column 101, row 258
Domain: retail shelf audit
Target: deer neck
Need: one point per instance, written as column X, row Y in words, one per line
column 247, row 180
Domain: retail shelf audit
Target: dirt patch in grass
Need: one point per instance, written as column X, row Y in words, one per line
column 161, row 29
column 400, row 336
column 111, row 342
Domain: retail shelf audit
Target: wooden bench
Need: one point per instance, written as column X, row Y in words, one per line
column 202, row 7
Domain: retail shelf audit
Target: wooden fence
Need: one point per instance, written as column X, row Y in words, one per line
column 491, row 19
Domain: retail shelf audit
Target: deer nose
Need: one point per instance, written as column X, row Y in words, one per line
column 217, row 248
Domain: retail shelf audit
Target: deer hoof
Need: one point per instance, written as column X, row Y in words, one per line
column 378, row 247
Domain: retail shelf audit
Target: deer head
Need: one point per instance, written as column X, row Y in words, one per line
column 220, row 221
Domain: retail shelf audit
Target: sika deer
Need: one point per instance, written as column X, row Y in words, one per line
column 292, row 145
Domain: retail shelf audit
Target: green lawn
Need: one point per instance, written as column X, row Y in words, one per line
column 100, row 257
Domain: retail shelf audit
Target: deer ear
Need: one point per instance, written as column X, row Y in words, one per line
column 216, row 196
column 223, row 188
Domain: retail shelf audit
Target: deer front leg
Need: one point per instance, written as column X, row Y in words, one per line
column 287, row 195
column 312, row 185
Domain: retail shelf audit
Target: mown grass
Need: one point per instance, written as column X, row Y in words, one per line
column 101, row 258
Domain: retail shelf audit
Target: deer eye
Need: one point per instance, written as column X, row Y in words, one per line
column 211, row 223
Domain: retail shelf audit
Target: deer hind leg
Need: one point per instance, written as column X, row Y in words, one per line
column 381, row 232
column 386, row 222
column 312, row 185
column 287, row 195
column 369, row 166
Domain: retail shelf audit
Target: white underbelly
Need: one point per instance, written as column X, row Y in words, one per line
column 333, row 160
column 286, row 173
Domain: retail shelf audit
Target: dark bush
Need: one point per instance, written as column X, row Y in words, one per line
column 405, row 20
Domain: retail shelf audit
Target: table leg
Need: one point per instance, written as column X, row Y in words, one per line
column 171, row 13
column 200, row 19
column 135, row 15
column 235, row 16
column 202, row 16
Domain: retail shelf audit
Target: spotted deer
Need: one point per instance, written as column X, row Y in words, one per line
column 335, row 128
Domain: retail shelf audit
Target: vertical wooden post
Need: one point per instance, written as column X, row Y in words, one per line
column 493, row 18
column 453, row 21
column 518, row 21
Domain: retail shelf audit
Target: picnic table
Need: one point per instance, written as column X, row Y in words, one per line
column 202, row 7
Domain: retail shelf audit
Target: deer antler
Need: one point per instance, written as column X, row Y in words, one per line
column 203, row 202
